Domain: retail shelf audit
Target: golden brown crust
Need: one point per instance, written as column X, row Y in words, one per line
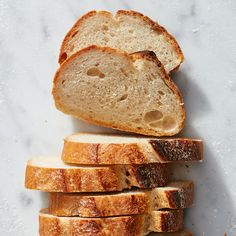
column 50, row 225
column 163, row 151
column 179, row 195
column 166, row 220
column 154, row 25
column 133, row 56
column 176, row 196
column 92, row 153
column 95, row 179
column 135, row 225
column 99, row 205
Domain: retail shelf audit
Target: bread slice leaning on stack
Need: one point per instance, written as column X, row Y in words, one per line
column 129, row 31
column 135, row 225
column 103, row 149
column 111, row 88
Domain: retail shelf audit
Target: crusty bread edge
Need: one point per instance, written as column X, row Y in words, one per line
column 154, row 24
column 144, row 54
column 95, row 179
column 157, row 221
column 139, row 202
column 123, row 153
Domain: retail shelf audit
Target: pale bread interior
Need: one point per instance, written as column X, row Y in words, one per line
column 111, row 138
column 112, row 89
column 130, row 33
column 105, row 138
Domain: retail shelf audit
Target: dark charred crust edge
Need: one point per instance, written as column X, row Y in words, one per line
column 151, row 175
column 178, row 149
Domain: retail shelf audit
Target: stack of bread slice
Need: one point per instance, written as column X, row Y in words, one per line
column 114, row 72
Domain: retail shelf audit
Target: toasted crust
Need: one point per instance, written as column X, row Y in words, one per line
column 174, row 196
column 95, row 179
column 166, row 220
column 133, row 57
column 161, row 221
column 152, row 151
column 154, row 25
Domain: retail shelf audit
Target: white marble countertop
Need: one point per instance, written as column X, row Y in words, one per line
column 30, row 36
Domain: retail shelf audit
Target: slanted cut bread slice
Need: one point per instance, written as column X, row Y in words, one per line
column 52, row 175
column 135, row 225
column 128, row 31
column 110, row 88
column 175, row 195
column 92, row 149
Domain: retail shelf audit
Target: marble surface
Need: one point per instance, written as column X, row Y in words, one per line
column 30, row 36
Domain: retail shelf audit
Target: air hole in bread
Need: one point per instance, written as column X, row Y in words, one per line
column 63, row 81
column 106, row 39
column 105, row 27
column 151, row 78
column 73, row 35
column 161, row 93
column 124, row 72
column 123, row 98
column 95, row 72
column 137, row 120
column 157, row 124
column 168, row 123
column 152, row 116
column 131, row 31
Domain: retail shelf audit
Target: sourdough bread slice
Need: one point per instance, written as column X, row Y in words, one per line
column 52, row 175
column 135, row 225
column 92, row 149
column 128, row 31
column 132, row 93
column 174, row 196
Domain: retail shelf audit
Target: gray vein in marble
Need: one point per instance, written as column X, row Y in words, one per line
column 25, row 200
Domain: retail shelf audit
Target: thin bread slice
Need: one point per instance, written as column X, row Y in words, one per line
column 135, row 225
column 175, row 195
column 129, row 31
column 92, row 149
column 110, row 88
column 52, row 175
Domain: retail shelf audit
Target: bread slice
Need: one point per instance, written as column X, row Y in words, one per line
column 174, row 196
column 135, row 225
column 127, row 92
column 129, row 31
column 52, row 175
column 92, row 149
